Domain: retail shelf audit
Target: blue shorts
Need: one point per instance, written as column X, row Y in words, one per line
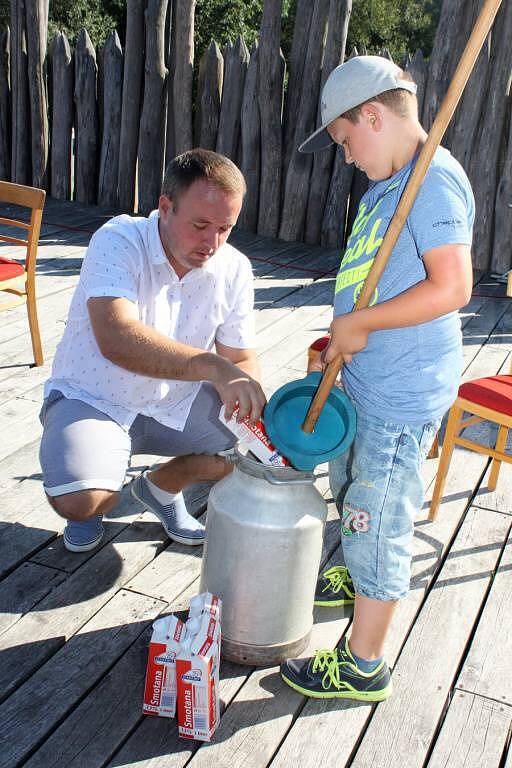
column 378, row 489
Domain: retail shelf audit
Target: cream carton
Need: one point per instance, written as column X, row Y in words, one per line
column 160, row 687
column 197, row 678
column 205, row 603
column 255, row 438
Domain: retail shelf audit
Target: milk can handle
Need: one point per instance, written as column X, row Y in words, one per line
column 295, row 481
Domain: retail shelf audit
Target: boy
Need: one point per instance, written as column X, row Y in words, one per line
column 402, row 360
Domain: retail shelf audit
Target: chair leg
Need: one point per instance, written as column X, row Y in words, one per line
column 452, row 429
column 434, row 450
column 34, row 326
column 496, row 463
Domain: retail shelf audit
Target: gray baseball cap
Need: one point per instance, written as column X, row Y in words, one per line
column 357, row 80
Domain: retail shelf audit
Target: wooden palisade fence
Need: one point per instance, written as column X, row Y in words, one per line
column 99, row 126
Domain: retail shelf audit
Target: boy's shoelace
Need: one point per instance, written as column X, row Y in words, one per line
column 330, row 662
column 338, row 578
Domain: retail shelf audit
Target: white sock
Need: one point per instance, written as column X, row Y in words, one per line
column 164, row 497
column 182, row 518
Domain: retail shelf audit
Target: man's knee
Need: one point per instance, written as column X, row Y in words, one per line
column 81, row 505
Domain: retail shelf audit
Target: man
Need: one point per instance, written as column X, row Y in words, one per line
column 135, row 371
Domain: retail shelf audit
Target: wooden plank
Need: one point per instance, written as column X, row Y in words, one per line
column 445, row 623
column 418, row 69
column 183, row 57
column 5, row 106
column 86, row 146
column 270, row 100
column 334, row 54
column 249, row 716
column 487, row 667
column 209, row 89
column 328, row 745
column 103, row 720
column 23, row 589
column 250, row 139
column 335, row 211
column 131, row 99
column 25, row 717
column 485, row 152
column 62, row 117
column 112, row 57
column 474, row 733
column 296, row 184
column 152, row 119
column 235, row 70
column 501, row 255
column 20, row 144
column 301, row 27
column 72, row 604
column 37, row 25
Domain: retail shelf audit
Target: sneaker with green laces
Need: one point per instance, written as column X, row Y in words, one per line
column 335, row 674
column 334, row 587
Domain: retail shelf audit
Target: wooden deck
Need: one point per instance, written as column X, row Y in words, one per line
column 74, row 628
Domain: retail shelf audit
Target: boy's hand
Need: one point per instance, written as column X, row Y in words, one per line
column 349, row 335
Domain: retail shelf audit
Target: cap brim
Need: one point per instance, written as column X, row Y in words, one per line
column 318, row 140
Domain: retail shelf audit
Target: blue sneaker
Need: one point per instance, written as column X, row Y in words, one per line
column 178, row 524
column 83, row 536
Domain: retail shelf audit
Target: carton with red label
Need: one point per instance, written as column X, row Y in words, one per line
column 197, row 675
column 255, row 438
column 160, row 687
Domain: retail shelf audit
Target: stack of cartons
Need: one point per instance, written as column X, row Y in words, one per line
column 255, row 438
column 183, row 669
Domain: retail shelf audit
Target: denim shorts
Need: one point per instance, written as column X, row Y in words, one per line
column 378, row 489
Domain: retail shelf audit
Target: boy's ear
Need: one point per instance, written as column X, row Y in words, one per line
column 371, row 114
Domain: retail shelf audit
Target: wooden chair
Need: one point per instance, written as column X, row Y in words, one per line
column 487, row 399
column 17, row 278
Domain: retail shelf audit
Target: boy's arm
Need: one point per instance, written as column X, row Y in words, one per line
column 446, row 288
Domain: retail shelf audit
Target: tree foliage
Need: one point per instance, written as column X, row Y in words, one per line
column 399, row 25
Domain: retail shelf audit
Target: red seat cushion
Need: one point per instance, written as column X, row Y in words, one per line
column 492, row 392
column 9, row 269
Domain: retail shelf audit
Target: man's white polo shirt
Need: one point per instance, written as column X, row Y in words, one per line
column 125, row 258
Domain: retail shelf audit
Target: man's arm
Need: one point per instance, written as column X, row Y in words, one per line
column 446, row 288
column 243, row 358
column 127, row 342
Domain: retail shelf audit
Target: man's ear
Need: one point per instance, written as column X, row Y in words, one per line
column 165, row 205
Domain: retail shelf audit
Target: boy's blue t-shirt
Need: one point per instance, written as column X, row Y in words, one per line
column 407, row 375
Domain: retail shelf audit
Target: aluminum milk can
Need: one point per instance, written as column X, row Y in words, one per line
column 263, row 547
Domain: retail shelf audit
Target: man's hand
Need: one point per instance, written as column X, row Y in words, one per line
column 234, row 386
column 349, row 334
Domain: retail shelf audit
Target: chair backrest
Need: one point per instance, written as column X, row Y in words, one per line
column 27, row 197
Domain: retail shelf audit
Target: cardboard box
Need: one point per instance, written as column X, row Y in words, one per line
column 255, row 438
column 197, row 679
column 160, row 687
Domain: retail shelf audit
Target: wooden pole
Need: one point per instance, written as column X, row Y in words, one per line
column 112, row 56
column 37, row 25
column 62, row 117
column 270, row 99
column 5, row 107
column 20, row 128
column 132, row 93
column 86, row 76
column 152, row 120
column 251, row 137
column 209, row 90
column 235, row 70
column 460, row 78
column 183, row 72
